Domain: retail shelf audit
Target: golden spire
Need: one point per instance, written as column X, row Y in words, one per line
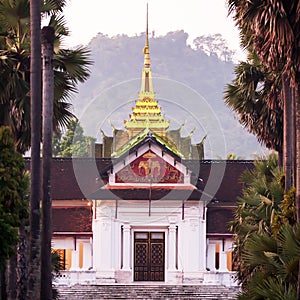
column 146, row 114
column 146, row 48
column 146, row 86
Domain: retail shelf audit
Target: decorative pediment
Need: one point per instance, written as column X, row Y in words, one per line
column 149, row 168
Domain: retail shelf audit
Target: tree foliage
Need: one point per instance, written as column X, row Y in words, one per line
column 273, row 262
column 214, row 45
column 71, row 67
column 254, row 96
column 73, row 143
column 272, row 29
column 13, row 186
column 267, row 239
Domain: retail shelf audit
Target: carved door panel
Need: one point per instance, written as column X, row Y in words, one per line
column 149, row 256
column 141, row 256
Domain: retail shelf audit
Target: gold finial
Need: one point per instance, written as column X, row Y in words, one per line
column 146, row 48
column 192, row 132
column 147, row 40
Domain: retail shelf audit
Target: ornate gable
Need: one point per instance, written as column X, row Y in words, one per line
column 147, row 168
column 149, row 162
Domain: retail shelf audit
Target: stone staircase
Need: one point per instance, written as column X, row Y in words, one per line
column 98, row 292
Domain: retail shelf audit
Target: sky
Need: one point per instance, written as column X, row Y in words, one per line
column 196, row 17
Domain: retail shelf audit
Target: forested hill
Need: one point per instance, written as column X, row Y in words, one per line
column 204, row 68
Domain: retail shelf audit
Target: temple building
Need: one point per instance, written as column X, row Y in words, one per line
column 140, row 211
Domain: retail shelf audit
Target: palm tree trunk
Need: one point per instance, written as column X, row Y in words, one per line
column 22, row 263
column 48, row 94
column 33, row 291
column 294, row 135
column 3, row 294
column 11, row 277
column 288, row 137
column 297, row 102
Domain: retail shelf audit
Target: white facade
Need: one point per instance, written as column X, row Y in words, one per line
column 184, row 253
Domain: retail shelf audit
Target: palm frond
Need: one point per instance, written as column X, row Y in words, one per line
column 254, row 97
column 50, row 7
column 62, row 114
column 58, row 22
column 74, row 62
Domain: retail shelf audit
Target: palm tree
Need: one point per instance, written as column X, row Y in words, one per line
column 71, row 67
column 289, row 132
column 273, row 261
column 256, row 208
column 254, row 95
column 14, row 98
column 266, row 234
column 33, row 290
column 48, row 92
column 273, row 29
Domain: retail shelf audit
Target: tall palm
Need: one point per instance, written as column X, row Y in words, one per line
column 273, row 27
column 46, row 233
column 254, row 95
column 71, row 67
column 14, row 90
column 273, row 30
column 33, row 287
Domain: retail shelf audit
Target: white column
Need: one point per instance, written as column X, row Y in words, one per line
column 75, row 259
column 192, row 245
column 126, row 247
column 96, row 244
column 172, row 247
column 223, row 261
column 105, row 251
column 202, row 239
column 211, row 257
column 87, row 256
column 104, row 246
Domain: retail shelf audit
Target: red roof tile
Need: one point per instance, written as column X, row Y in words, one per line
column 65, row 184
column 72, row 219
column 64, row 181
column 79, row 219
column 217, row 219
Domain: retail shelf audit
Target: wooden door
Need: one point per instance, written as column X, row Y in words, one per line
column 149, row 256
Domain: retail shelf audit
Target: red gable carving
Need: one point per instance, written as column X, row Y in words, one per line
column 149, row 168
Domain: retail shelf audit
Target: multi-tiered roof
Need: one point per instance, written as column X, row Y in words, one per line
column 147, row 120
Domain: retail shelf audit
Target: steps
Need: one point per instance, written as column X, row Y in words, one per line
column 98, row 292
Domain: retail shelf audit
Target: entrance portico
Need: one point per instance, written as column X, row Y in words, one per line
column 138, row 247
